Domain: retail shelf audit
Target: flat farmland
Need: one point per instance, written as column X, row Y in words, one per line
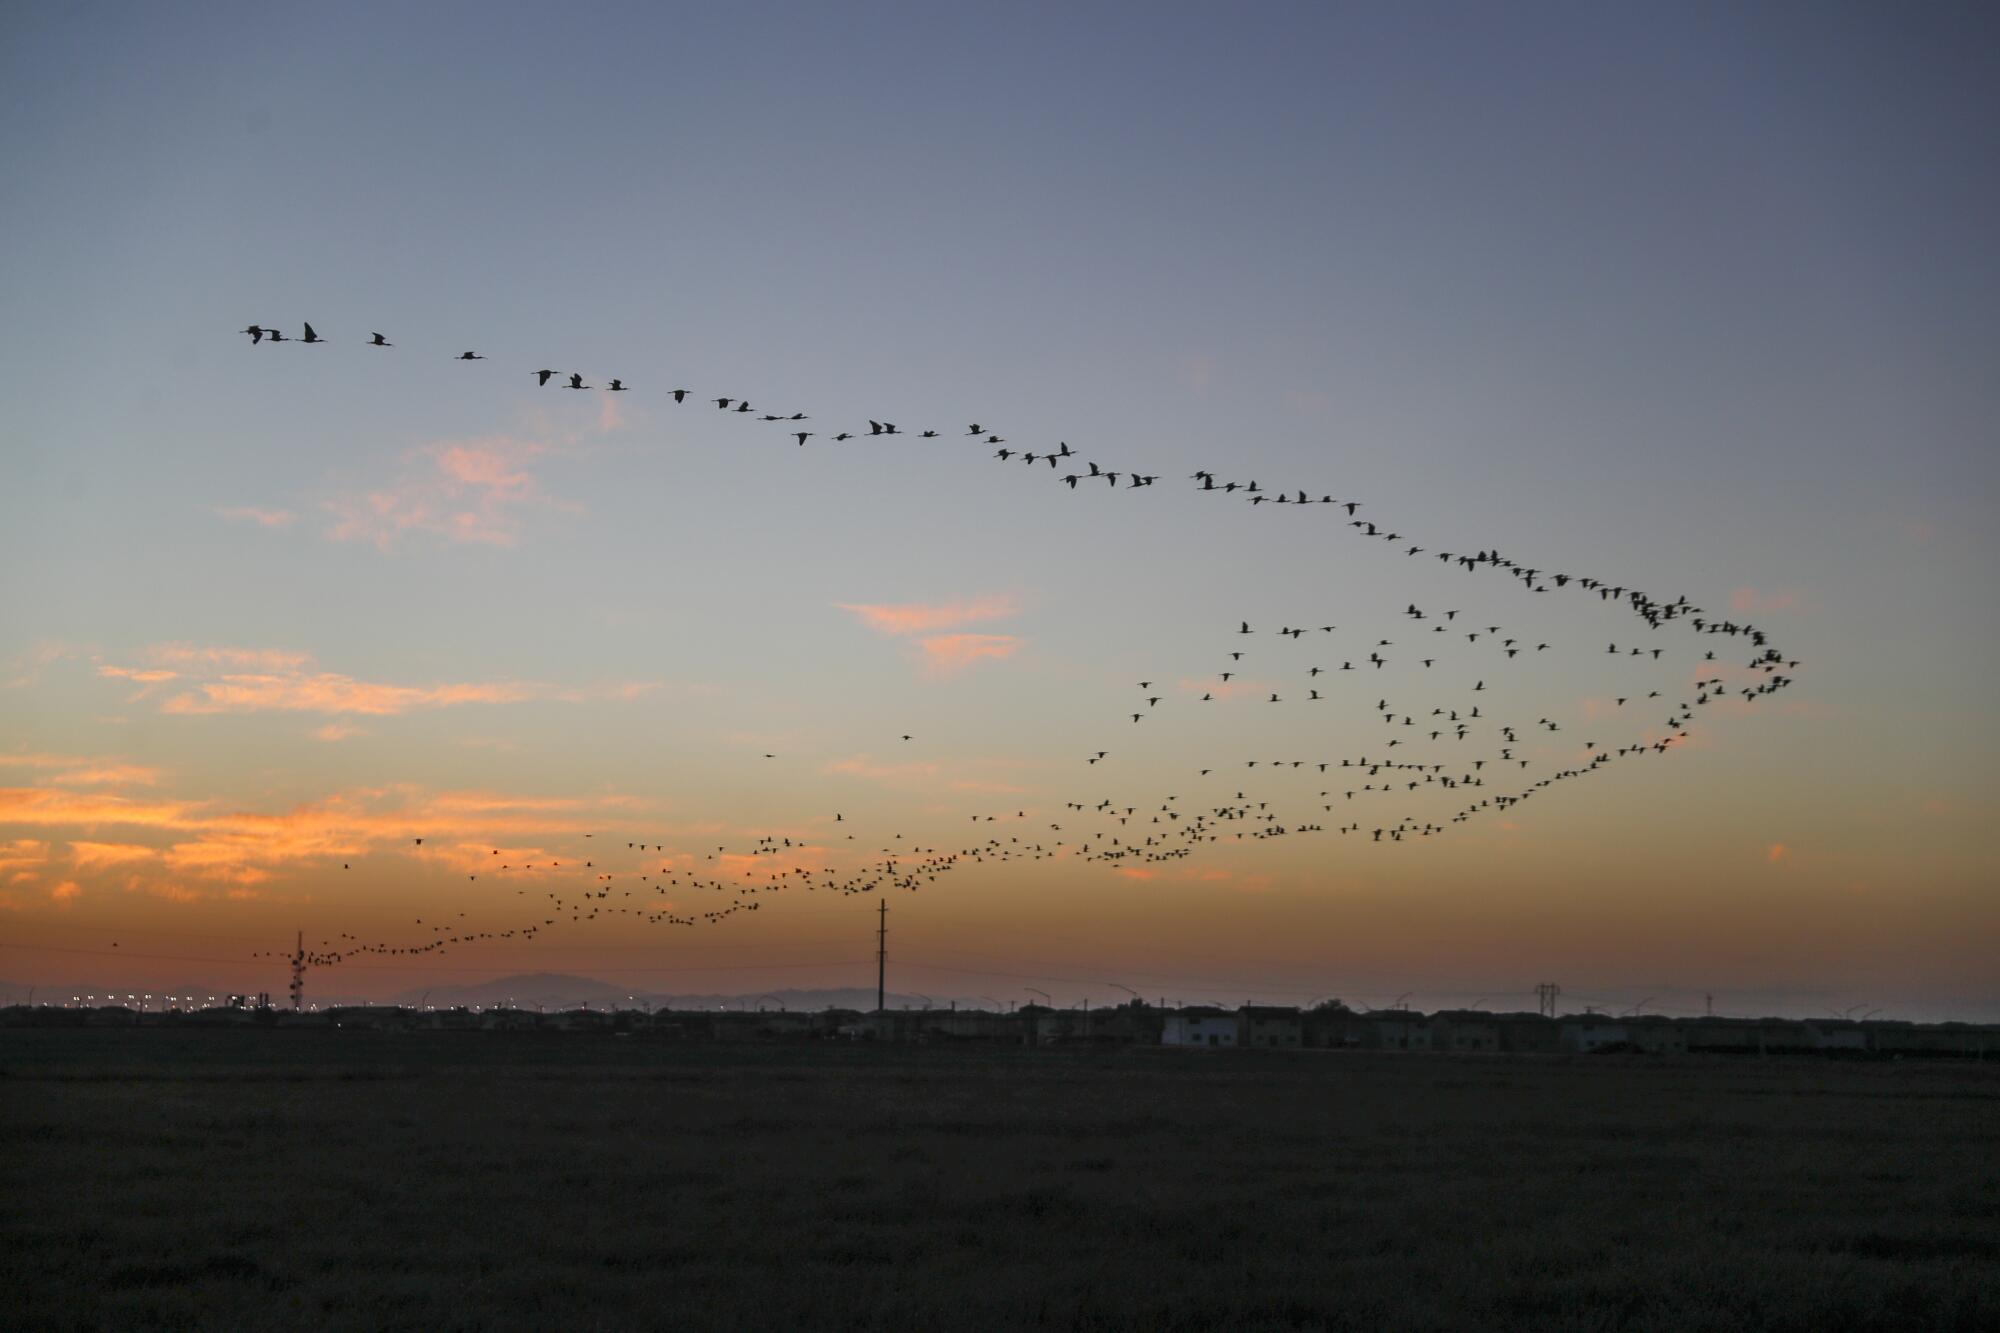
column 237, row 1179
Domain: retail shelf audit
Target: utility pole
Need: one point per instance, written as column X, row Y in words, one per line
column 1545, row 997
column 1710, row 1006
column 299, row 972
column 882, row 955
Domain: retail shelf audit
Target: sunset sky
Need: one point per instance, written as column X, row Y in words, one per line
column 1694, row 299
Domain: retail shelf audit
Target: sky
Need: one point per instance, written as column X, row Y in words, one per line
column 1696, row 300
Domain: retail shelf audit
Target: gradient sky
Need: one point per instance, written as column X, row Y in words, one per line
column 1694, row 298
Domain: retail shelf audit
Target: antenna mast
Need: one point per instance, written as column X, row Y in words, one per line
column 881, row 954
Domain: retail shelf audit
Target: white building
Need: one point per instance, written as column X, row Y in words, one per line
column 1197, row 1028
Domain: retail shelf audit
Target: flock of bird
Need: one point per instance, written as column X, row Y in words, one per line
column 1451, row 742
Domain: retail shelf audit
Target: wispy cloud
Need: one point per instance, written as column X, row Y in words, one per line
column 865, row 766
column 22, row 859
column 1748, row 601
column 920, row 617
column 82, row 770
column 201, row 842
column 469, row 491
column 89, row 856
column 249, row 680
column 328, row 692
column 263, row 518
column 947, row 654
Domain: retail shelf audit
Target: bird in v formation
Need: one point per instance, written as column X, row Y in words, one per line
column 1376, row 777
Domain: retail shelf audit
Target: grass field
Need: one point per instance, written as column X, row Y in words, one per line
column 266, row 1178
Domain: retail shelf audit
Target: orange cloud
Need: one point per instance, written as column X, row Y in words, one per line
column 1135, row 872
column 335, row 731
column 1776, row 852
column 947, row 654
column 21, row 860
column 65, row 891
column 328, row 692
column 194, row 657
column 918, row 617
column 244, row 848
column 263, row 518
column 249, row 680
column 90, row 856
column 82, row 771
column 144, row 675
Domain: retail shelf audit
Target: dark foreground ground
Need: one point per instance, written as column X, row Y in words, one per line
column 433, row 1181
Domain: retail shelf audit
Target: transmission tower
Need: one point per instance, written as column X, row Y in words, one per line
column 1545, row 997
column 299, row 972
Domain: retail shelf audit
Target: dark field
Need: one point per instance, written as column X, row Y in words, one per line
column 265, row 1178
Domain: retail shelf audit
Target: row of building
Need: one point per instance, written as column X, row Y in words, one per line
column 1250, row 1027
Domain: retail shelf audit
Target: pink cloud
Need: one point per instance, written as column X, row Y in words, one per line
column 472, row 491
column 1776, row 852
column 862, row 766
column 947, row 654
column 335, row 731
column 263, row 518
column 1135, row 872
column 918, row 617
column 1748, row 601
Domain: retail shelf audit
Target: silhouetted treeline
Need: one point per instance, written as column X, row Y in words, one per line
column 1269, row 1027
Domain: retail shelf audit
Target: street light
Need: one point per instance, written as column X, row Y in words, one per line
column 1637, row 1007
column 1044, row 994
column 1128, row 990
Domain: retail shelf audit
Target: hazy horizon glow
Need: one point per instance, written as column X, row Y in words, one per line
column 1697, row 301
